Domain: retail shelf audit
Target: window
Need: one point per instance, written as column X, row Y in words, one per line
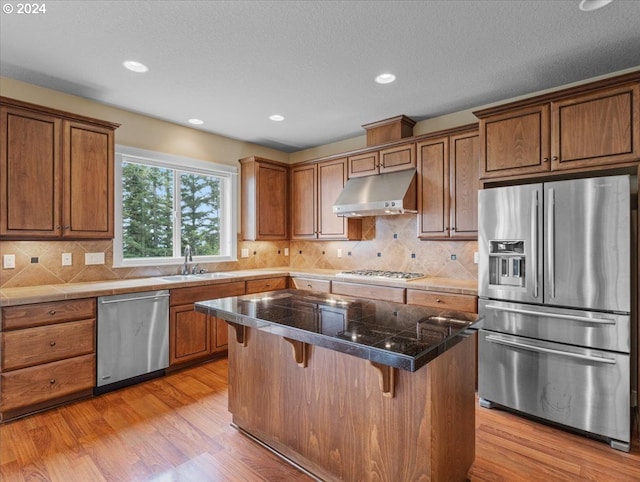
column 165, row 202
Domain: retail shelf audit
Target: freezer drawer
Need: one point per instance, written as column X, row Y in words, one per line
column 585, row 389
column 606, row 331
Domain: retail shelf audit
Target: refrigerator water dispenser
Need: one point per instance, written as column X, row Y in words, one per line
column 507, row 263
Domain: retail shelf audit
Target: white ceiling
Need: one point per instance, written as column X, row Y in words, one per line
column 233, row 63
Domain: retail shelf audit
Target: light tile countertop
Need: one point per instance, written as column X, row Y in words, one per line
column 67, row 291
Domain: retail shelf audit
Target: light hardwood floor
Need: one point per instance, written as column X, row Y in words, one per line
column 177, row 429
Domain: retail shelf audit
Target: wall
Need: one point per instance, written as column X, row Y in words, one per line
column 431, row 257
column 140, row 131
column 381, row 250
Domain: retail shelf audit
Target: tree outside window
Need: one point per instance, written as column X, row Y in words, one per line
column 164, row 207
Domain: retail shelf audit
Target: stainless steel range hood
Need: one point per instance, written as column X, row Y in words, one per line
column 382, row 194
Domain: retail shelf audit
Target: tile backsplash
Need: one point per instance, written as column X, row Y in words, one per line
column 389, row 243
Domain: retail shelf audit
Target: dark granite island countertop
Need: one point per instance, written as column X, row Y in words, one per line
column 393, row 334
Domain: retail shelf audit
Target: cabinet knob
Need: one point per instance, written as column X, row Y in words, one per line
column 67, row 226
column 545, row 159
column 52, row 381
column 438, row 300
column 52, row 312
column 554, row 158
column 309, row 285
column 53, row 343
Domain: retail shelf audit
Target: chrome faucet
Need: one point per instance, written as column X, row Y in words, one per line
column 187, row 258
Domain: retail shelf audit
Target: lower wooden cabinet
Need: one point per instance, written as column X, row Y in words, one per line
column 192, row 335
column 446, row 301
column 311, row 284
column 268, row 284
column 50, row 381
column 47, row 355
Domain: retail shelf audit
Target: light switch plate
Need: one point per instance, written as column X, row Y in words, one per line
column 286, row 251
column 67, row 259
column 476, row 257
column 339, row 253
column 93, row 258
column 9, row 261
column 244, row 253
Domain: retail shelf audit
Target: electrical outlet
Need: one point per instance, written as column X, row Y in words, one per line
column 93, row 258
column 286, row 251
column 244, row 253
column 476, row 257
column 67, row 259
column 9, row 261
column 339, row 253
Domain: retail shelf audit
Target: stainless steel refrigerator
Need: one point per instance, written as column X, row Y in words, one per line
column 556, row 276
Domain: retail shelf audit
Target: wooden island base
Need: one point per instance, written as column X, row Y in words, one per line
column 326, row 412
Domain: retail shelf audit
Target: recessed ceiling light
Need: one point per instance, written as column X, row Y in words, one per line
column 385, row 78
column 196, row 122
column 134, row 66
column 276, row 117
column 591, row 5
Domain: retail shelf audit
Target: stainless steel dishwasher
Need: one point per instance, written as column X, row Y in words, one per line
column 133, row 338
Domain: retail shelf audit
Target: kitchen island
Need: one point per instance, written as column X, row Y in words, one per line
column 353, row 389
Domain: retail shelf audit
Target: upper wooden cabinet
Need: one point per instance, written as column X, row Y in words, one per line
column 396, row 158
column 56, row 174
column 448, row 182
column 593, row 126
column 314, row 190
column 265, row 203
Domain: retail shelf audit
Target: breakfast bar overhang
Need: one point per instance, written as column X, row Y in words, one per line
column 353, row 389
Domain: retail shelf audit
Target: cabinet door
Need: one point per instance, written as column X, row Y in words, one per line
column 332, row 176
column 304, row 202
column 398, row 158
column 189, row 334
column 515, row 143
column 596, row 129
column 88, row 181
column 433, row 188
column 30, row 174
column 219, row 334
column 363, row 164
column 464, row 182
column 271, row 202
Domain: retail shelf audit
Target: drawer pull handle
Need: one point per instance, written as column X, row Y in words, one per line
column 309, row 285
column 52, row 381
column 52, row 312
column 53, row 343
column 438, row 300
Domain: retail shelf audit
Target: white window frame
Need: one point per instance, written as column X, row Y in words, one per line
column 229, row 205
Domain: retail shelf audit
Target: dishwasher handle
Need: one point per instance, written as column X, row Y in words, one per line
column 137, row 298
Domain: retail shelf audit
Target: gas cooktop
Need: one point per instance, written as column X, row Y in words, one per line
column 380, row 274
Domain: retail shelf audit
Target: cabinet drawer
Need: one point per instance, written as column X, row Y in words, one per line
column 184, row 296
column 24, row 348
column 269, row 284
column 385, row 293
column 33, row 385
column 446, row 301
column 311, row 284
column 26, row 316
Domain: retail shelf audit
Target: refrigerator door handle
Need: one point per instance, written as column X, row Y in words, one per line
column 560, row 316
column 534, row 241
column 551, row 242
column 551, row 351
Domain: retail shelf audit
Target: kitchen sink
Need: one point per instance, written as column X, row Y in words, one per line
column 180, row 277
column 191, row 277
column 213, row 275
